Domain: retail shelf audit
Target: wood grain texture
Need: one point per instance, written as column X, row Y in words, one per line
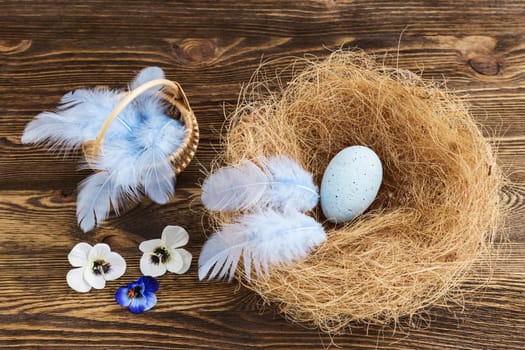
column 212, row 47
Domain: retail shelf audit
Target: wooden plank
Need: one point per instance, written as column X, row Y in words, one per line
column 31, row 217
column 212, row 71
column 212, row 47
column 97, row 18
column 39, row 310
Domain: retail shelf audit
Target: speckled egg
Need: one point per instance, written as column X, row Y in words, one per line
column 350, row 183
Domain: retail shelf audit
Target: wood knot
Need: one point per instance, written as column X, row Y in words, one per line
column 62, row 197
column 196, row 51
column 66, row 193
column 479, row 52
column 14, row 46
column 330, row 4
column 486, row 65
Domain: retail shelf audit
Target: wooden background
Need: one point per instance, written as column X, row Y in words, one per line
column 211, row 47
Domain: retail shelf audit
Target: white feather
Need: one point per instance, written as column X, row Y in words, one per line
column 283, row 185
column 234, row 188
column 264, row 239
column 292, row 187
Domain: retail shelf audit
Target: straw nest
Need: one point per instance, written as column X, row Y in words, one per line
column 437, row 210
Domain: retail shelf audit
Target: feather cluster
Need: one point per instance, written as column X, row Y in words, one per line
column 274, row 230
column 135, row 154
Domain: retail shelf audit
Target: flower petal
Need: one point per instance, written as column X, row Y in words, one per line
column 175, row 236
column 146, row 302
column 75, row 279
column 117, row 266
column 99, row 251
column 149, row 246
column 137, row 305
column 175, row 263
column 150, row 300
column 185, row 256
column 96, row 281
column 121, row 296
column 79, row 254
column 149, row 268
column 150, row 284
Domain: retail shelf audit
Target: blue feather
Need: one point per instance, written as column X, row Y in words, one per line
column 93, row 201
column 43, row 130
column 157, row 175
column 149, row 96
column 281, row 183
column 72, row 123
column 136, row 149
column 106, row 189
column 264, row 239
column 145, row 75
column 119, row 160
column 96, row 195
column 157, row 138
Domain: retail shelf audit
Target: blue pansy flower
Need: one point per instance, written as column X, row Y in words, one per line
column 139, row 295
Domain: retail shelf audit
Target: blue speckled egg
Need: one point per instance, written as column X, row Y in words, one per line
column 350, row 183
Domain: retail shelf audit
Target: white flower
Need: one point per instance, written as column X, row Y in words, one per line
column 165, row 253
column 94, row 266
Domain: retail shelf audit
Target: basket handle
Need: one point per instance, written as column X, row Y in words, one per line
column 92, row 148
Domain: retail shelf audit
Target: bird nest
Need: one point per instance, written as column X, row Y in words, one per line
column 436, row 212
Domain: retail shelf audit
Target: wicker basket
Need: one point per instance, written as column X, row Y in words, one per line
column 179, row 109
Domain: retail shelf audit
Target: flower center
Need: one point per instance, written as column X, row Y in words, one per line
column 135, row 292
column 100, row 267
column 160, row 255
